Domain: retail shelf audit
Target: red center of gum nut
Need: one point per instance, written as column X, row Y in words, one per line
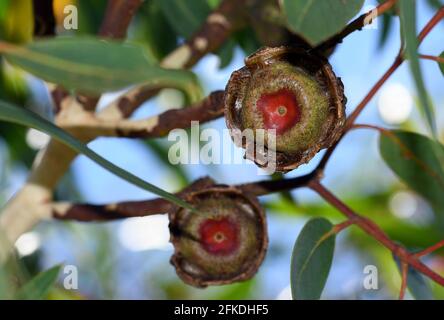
column 219, row 236
column 280, row 110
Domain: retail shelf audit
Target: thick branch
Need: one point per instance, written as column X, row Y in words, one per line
column 208, row 109
column 90, row 212
column 432, row 58
column 118, row 16
column 404, row 279
column 114, row 211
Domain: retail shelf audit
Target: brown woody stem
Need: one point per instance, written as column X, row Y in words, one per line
column 404, row 277
column 430, row 249
column 432, row 58
column 208, row 109
column 343, row 225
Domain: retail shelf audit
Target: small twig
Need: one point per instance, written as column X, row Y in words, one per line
column 432, row 58
column 373, row 230
column 367, row 126
column 264, row 187
column 404, row 277
column 90, row 212
column 343, row 225
column 430, row 249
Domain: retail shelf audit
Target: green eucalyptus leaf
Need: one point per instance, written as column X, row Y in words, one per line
column 91, row 15
column 247, row 40
column 38, row 287
column 311, row 260
column 407, row 15
column 93, row 66
column 11, row 113
column 226, row 53
column 185, row 16
column 435, row 4
column 317, row 20
column 150, row 20
column 415, row 159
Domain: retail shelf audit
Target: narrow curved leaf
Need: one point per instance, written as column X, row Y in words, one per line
column 38, row 287
column 11, row 113
column 317, row 20
column 414, row 158
column 94, row 66
column 311, row 259
column 407, row 15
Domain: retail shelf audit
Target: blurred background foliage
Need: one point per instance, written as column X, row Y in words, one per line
column 130, row 259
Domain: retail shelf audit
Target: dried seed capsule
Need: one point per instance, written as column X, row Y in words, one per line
column 223, row 242
column 293, row 92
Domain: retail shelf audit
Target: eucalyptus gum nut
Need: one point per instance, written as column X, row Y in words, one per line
column 292, row 91
column 225, row 241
